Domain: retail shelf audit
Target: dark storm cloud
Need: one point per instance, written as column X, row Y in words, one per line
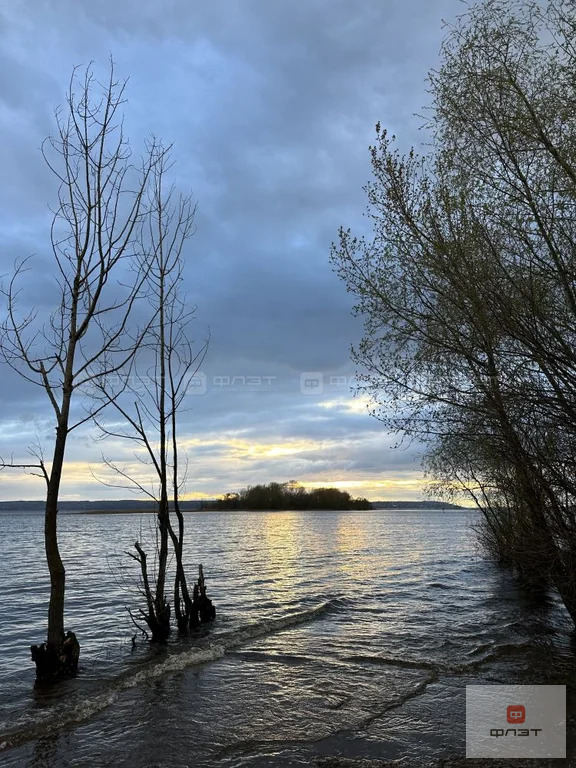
column 271, row 107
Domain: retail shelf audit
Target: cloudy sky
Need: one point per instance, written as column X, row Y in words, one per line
column 271, row 106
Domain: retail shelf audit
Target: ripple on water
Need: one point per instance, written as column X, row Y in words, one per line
column 335, row 631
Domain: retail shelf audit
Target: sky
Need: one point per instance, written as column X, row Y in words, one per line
column 270, row 106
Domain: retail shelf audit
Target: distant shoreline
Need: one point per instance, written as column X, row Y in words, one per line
column 226, row 511
column 90, row 508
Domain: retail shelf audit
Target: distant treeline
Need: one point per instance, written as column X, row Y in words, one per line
column 289, row 495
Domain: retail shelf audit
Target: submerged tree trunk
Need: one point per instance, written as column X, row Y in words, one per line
column 161, row 607
column 54, row 663
column 55, row 564
column 158, row 616
column 58, row 656
column 197, row 611
column 204, row 611
column 183, row 604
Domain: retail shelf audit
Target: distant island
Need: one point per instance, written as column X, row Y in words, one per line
column 290, row 495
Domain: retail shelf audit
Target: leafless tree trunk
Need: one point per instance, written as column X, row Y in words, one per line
column 150, row 405
column 96, row 229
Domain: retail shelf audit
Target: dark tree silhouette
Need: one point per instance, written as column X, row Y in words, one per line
column 150, row 399
column 96, row 230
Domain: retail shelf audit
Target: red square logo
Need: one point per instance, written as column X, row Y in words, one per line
column 516, row 714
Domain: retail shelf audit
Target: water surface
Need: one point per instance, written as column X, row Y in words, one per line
column 338, row 633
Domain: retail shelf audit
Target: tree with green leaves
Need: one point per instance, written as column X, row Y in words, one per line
column 468, row 288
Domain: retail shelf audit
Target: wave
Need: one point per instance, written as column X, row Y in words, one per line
column 392, row 662
column 236, row 637
column 80, row 708
column 486, row 653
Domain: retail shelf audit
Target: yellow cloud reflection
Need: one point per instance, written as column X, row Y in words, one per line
column 282, row 532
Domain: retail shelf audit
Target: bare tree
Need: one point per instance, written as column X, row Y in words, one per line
column 150, row 400
column 95, row 237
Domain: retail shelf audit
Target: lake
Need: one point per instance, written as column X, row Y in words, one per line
column 337, row 634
